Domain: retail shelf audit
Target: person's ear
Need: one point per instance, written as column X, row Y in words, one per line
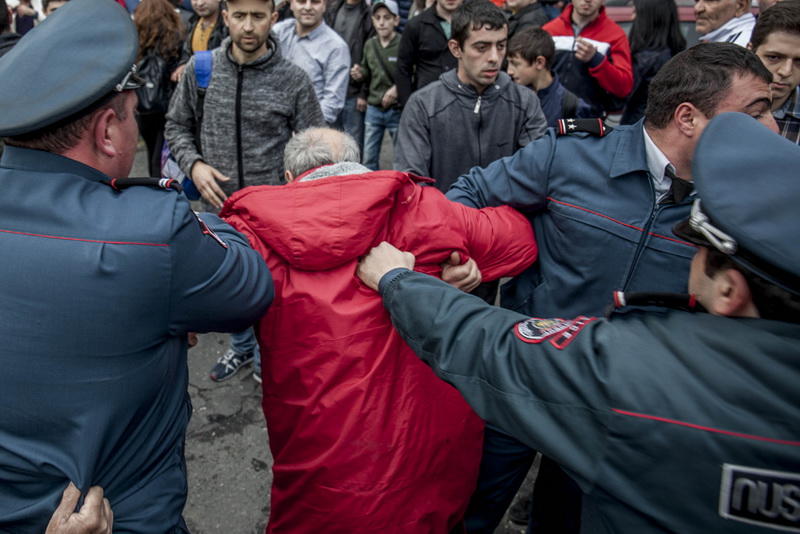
column 288, row 176
column 731, row 295
column 452, row 44
column 689, row 120
column 540, row 62
column 225, row 18
column 104, row 126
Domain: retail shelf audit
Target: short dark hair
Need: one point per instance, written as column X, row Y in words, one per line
column 223, row 5
column 474, row 15
column 66, row 133
column 5, row 23
column 701, row 75
column 531, row 43
column 771, row 301
column 782, row 17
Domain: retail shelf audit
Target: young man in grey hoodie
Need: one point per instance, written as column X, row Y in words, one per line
column 254, row 102
column 472, row 115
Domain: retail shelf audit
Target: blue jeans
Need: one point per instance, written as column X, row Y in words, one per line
column 377, row 121
column 353, row 121
column 243, row 342
column 504, row 465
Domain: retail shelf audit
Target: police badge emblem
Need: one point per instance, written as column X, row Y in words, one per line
column 536, row 330
column 559, row 332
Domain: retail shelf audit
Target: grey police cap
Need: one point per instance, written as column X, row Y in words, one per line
column 78, row 55
column 748, row 206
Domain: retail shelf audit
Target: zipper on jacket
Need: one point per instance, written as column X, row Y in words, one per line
column 480, row 128
column 645, row 235
column 238, row 115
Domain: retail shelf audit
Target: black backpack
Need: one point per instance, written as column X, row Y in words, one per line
column 154, row 96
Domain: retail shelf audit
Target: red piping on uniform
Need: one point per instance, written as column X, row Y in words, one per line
column 707, row 428
column 85, row 240
column 551, row 199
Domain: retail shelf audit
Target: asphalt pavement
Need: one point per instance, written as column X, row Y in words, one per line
column 227, row 448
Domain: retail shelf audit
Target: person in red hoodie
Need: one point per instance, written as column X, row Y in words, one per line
column 593, row 56
column 364, row 436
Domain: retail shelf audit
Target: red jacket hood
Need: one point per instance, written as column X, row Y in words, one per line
column 330, row 221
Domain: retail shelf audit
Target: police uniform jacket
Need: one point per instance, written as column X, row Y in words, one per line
column 668, row 421
column 593, row 207
column 98, row 289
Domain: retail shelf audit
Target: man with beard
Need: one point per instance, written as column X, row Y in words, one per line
column 254, row 102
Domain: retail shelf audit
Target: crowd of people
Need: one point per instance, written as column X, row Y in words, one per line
column 419, row 408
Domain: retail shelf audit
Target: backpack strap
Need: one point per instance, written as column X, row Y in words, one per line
column 382, row 60
column 203, row 67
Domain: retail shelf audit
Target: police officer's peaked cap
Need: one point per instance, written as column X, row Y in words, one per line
column 77, row 56
column 748, row 206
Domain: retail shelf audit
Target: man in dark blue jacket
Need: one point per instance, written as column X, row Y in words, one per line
column 603, row 209
column 101, row 280
column 669, row 420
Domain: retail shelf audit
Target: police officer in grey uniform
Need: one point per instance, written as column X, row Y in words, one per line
column 669, row 420
column 101, row 279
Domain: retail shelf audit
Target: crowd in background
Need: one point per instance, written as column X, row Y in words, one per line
column 458, row 85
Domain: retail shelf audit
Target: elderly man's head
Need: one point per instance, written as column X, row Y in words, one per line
column 316, row 147
column 712, row 14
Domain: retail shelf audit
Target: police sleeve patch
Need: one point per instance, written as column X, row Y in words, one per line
column 535, row 330
column 769, row 499
column 559, row 332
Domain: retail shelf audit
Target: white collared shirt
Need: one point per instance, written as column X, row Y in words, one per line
column 657, row 164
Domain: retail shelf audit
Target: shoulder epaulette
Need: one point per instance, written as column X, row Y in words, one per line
column 595, row 127
column 674, row 301
column 118, row 184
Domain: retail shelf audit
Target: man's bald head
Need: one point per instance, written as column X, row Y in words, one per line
column 316, row 147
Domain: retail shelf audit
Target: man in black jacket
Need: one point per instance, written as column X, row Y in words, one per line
column 525, row 14
column 474, row 114
column 423, row 54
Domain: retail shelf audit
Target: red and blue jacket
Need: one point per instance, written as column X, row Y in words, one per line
column 606, row 80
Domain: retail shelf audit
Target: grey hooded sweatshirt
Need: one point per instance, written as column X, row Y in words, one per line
column 249, row 114
column 447, row 128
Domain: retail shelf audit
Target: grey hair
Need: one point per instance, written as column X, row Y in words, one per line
column 315, row 147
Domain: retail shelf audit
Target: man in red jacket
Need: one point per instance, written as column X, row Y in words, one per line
column 593, row 57
column 365, row 438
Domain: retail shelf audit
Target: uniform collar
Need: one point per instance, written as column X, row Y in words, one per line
column 27, row 159
column 657, row 161
column 631, row 155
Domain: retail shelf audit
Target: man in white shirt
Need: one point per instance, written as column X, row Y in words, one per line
column 316, row 48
